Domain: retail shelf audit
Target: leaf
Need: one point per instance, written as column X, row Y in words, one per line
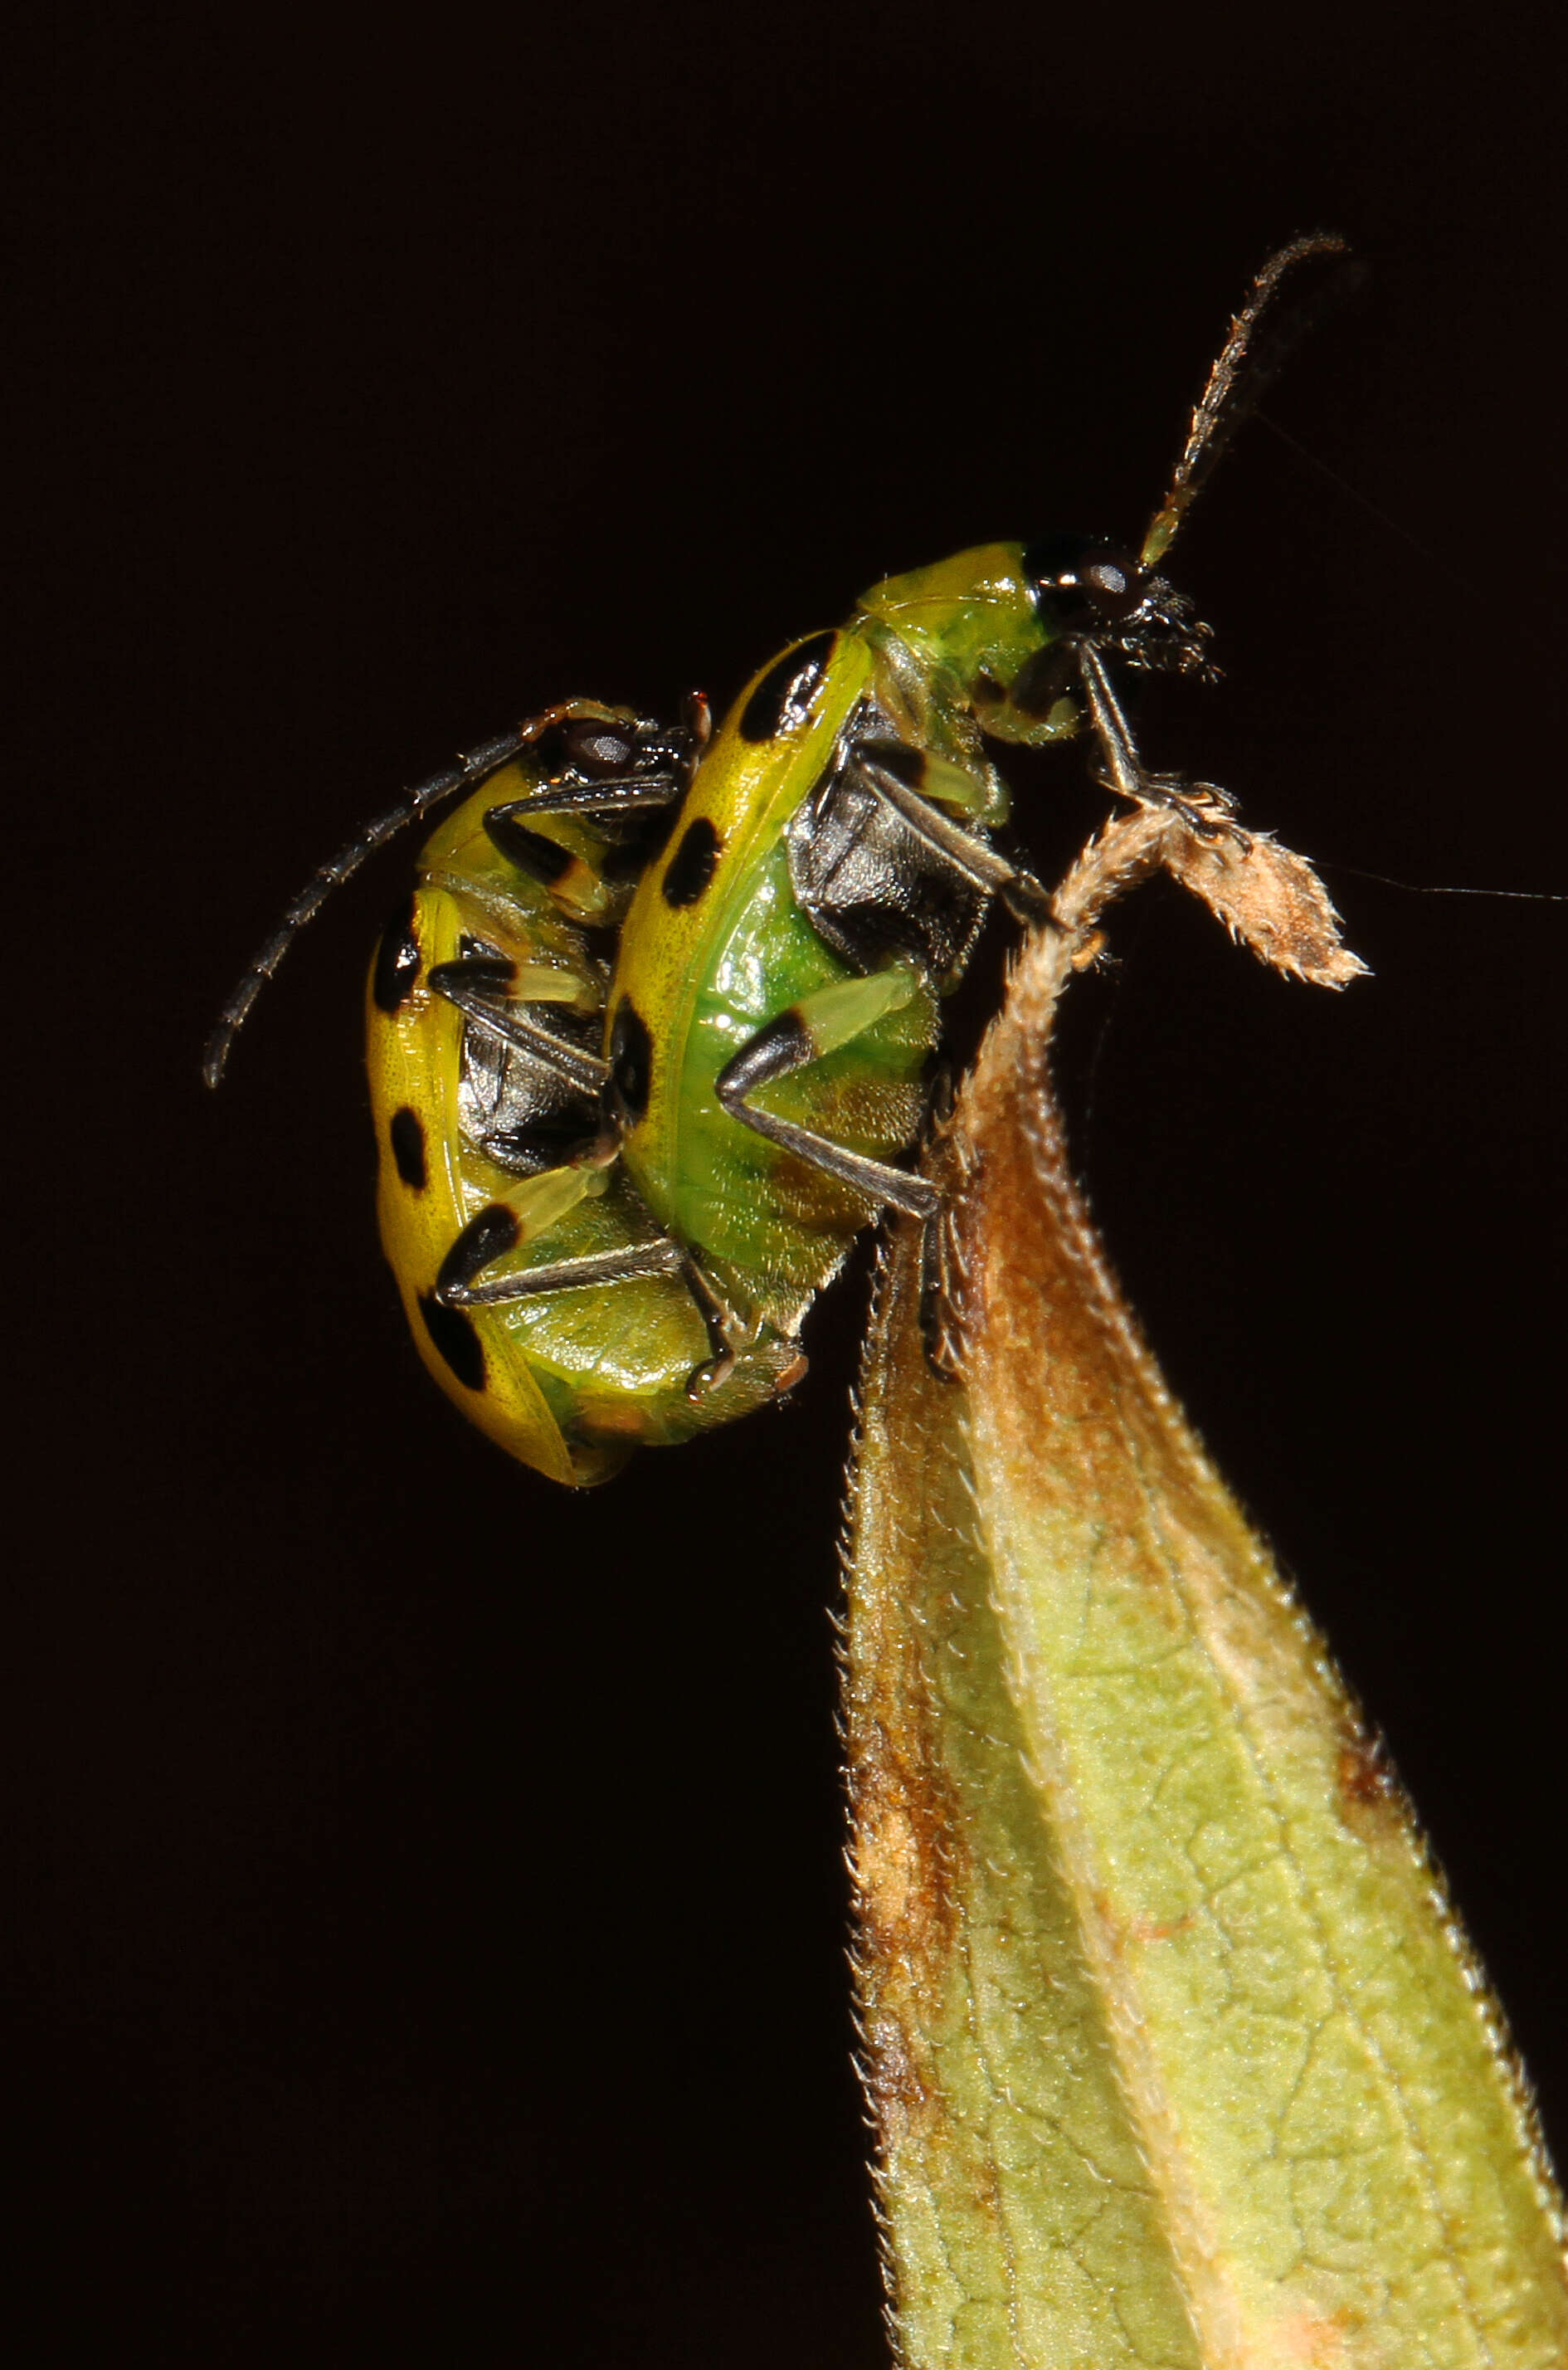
column 1175, row 2051
column 1268, row 898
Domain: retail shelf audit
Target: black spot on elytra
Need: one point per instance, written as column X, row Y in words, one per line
column 542, row 859
column 455, row 1338
column 407, row 1139
column 631, row 1062
column 692, row 866
column 785, row 690
column 397, row 960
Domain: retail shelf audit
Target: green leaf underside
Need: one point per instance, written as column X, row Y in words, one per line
column 1175, row 2051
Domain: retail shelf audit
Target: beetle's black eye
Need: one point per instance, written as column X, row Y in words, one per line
column 598, row 748
column 1080, row 584
column 1112, row 580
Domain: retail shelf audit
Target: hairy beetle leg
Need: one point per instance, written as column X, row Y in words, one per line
column 722, row 1324
column 470, row 983
column 1203, row 806
column 973, row 859
column 500, row 1226
column 659, row 1256
column 620, row 794
column 819, row 1024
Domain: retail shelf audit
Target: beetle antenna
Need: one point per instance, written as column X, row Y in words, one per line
column 469, row 770
column 1242, row 371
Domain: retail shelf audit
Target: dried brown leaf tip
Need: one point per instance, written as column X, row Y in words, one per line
column 1268, row 898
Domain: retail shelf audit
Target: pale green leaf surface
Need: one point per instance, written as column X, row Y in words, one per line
column 1177, row 2054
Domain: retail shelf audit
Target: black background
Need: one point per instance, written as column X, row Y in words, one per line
column 431, row 1919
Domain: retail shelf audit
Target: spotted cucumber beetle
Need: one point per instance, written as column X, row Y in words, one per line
column 540, row 1296
column 539, row 1292
column 612, row 1183
column 774, row 1004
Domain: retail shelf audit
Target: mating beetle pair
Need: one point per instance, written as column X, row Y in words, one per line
column 612, row 1182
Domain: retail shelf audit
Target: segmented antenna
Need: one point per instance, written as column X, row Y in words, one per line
column 1232, row 392
column 469, row 771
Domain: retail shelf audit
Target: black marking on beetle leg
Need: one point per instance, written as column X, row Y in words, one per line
column 481, row 963
column 515, row 1024
column 453, row 1336
column 533, row 1106
column 906, row 764
column 409, row 1148
column 691, row 867
column 542, row 859
column 785, row 692
column 783, row 1044
column 631, row 1062
column 488, row 1233
column 491, row 1231
column 397, row 960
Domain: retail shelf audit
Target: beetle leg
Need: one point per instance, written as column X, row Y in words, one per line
column 471, row 983
column 530, row 1212
column 972, row 858
column 615, row 778
column 579, row 888
column 618, row 795
column 498, row 1229
column 818, row 1024
column 726, row 1328
column 660, row 1257
column 723, row 1323
column 1203, row 806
